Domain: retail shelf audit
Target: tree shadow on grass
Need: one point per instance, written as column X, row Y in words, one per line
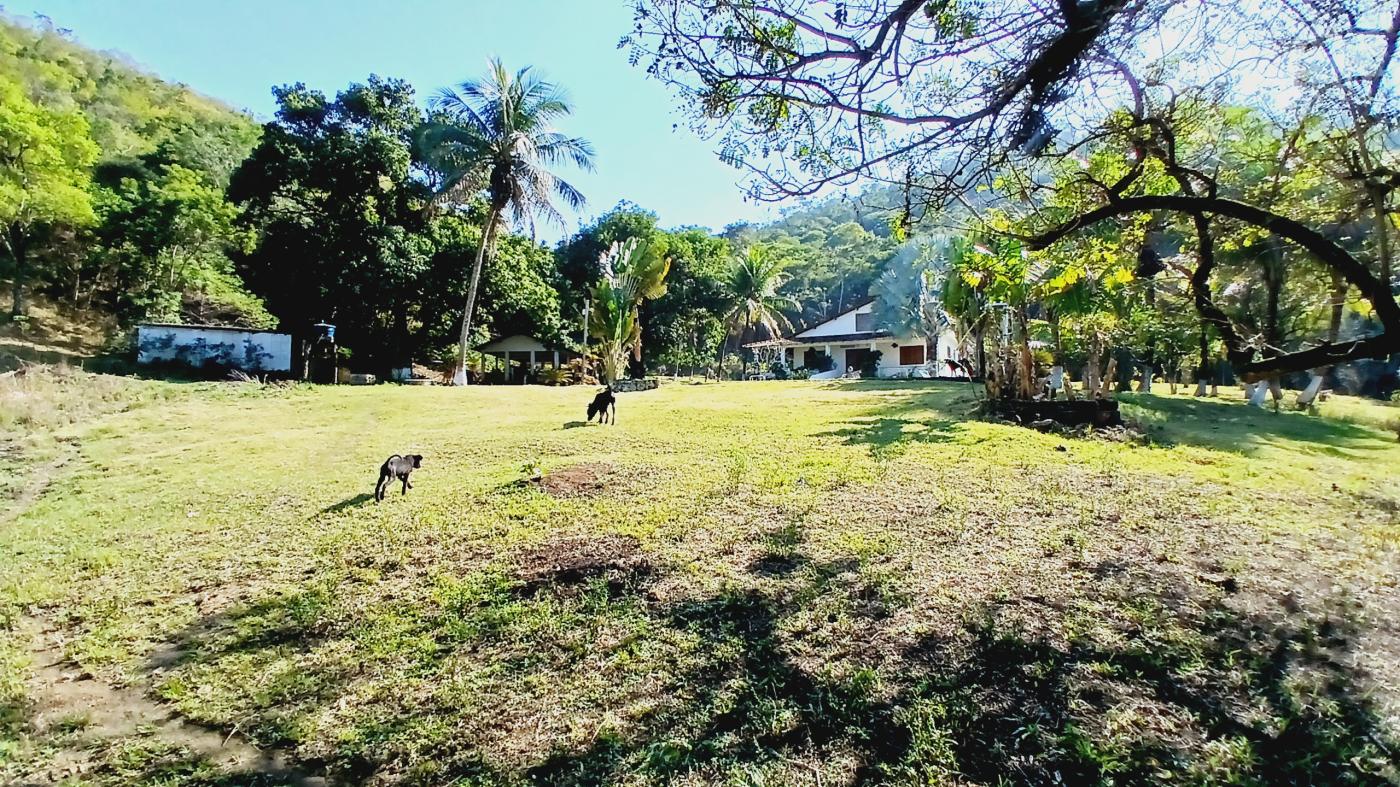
column 1238, row 428
column 1188, row 686
column 1239, row 698
column 892, row 435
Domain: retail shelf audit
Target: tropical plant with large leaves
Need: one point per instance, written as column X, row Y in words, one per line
column 631, row 271
column 752, row 288
column 496, row 136
column 906, row 300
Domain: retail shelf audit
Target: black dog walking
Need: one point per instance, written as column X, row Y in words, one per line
column 396, row 467
column 601, row 404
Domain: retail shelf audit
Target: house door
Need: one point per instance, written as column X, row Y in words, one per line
column 856, row 357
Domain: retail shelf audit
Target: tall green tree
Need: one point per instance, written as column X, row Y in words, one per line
column 497, row 135
column 172, row 233
column 46, row 159
column 340, row 215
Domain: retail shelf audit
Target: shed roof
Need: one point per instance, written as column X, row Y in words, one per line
column 200, row 327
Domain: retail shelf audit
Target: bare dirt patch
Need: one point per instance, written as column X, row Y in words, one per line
column 79, row 716
column 573, row 561
column 581, row 480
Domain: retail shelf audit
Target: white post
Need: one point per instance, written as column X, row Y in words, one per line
column 556, row 359
column 1257, row 394
column 532, row 360
column 1309, row 394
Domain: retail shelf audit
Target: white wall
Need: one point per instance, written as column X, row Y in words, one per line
column 842, row 323
column 195, row 345
column 889, row 355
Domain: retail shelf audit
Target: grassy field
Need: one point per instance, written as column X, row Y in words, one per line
column 752, row 583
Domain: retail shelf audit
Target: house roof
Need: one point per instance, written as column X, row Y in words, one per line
column 837, row 338
column 819, row 326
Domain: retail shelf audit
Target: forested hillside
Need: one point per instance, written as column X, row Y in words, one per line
column 117, row 201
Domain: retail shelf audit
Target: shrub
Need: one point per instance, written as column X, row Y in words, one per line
column 561, row 376
column 581, row 371
column 870, row 367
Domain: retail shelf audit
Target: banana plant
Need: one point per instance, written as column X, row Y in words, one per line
column 632, row 271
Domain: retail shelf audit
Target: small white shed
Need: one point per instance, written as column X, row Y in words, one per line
column 249, row 349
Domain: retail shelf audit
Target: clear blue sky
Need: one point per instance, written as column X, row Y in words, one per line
column 236, row 50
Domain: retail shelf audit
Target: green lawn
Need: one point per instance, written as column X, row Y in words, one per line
column 747, row 583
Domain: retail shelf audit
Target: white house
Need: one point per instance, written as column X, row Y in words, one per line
column 849, row 339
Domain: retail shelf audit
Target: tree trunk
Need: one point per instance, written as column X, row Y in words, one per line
column 980, row 351
column 488, row 237
column 1109, row 377
column 14, row 241
column 1203, row 370
column 1091, row 371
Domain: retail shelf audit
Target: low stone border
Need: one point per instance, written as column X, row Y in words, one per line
column 630, row 386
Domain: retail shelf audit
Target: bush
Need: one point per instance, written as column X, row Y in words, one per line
column 581, row 372
column 801, row 374
column 561, row 376
column 870, row 367
column 779, row 370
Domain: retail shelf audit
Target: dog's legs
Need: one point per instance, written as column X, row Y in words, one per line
column 379, row 488
column 612, row 418
column 405, row 486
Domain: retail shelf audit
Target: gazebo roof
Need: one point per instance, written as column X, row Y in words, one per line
column 515, row 343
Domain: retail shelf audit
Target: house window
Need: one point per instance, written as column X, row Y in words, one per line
column 911, row 355
column 865, row 322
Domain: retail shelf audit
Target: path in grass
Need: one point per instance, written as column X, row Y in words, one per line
column 785, row 581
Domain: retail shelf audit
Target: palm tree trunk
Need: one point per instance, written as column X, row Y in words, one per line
column 488, row 238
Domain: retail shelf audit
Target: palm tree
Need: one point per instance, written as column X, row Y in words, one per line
column 752, row 288
column 497, row 135
column 632, row 270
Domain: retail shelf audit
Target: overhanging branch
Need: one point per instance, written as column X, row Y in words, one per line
column 1320, row 247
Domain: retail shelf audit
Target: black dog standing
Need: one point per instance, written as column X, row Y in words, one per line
column 601, row 404
column 397, row 467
